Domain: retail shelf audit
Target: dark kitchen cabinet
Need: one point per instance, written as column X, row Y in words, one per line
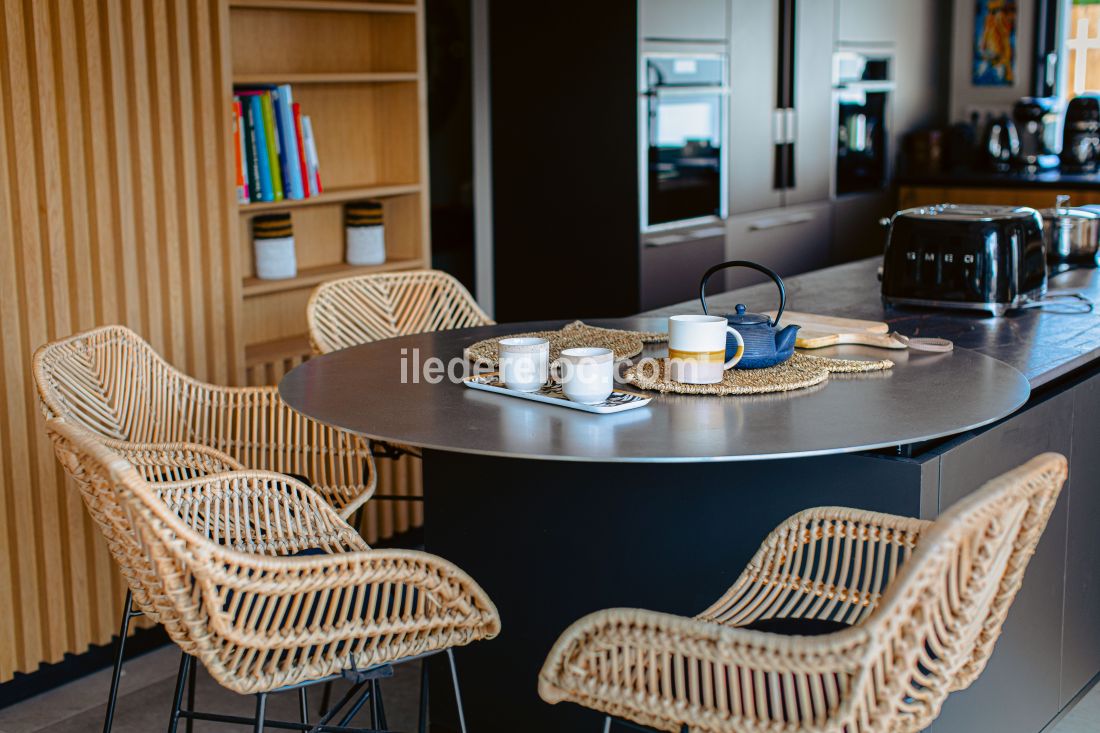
column 1027, row 657
column 753, row 68
column 789, row 240
column 813, row 104
column 756, row 125
column 671, row 269
column 1081, row 634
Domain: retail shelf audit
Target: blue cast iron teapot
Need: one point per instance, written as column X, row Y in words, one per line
column 765, row 343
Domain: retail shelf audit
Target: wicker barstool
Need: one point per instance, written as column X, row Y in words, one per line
column 364, row 308
column 357, row 310
column 112, row 382
column 221, row 561
column 844, row 621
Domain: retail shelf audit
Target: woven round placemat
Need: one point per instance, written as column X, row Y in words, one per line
column 801, row 370
column 624, row 344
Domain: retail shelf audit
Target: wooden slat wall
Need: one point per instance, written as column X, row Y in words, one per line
column 115, row 207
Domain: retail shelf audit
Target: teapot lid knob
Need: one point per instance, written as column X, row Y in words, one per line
column 740, row 308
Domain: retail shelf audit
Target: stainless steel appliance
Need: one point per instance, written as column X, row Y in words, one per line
column 965, row 256
column 1000, row 147
column 863, row 83
column 1071, row 234
column 1037, row 121
column 684, row 164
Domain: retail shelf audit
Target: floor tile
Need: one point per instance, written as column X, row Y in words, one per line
column 88, row 692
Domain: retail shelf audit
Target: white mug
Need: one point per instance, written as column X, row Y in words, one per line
column 524, row 363
column 587, row 374
column 697, row 348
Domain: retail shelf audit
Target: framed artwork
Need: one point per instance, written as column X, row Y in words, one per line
column 994, row 43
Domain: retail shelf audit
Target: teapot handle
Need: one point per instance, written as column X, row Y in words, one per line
column 752, row 266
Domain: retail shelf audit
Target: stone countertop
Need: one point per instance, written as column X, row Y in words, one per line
column 970, row 178
column 1042, row 344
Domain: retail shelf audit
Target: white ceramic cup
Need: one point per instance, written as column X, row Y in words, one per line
column 524, row 363
column 697, row 348
column 587, row 374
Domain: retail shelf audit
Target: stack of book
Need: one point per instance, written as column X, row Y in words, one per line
column 275, row 151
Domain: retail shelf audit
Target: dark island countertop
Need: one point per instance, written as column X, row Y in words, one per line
column 971, row 178
column 1042, row 344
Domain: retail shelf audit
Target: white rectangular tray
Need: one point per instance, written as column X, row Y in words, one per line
column 551, row 394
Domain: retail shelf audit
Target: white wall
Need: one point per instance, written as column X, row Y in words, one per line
column 964, row 95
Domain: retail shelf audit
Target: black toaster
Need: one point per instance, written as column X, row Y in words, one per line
column 979, row 257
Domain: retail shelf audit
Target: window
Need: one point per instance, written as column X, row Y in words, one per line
column 1082, row 48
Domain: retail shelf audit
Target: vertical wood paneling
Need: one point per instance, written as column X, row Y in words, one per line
column 116, row 206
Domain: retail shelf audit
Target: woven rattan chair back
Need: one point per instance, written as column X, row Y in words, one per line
column 88, row 463
column 357, row 310
column 919, row 604
column 112, row 382
column 935, row 629
column 259, row 620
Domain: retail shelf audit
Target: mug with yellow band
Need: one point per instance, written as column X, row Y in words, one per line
column 697, row 348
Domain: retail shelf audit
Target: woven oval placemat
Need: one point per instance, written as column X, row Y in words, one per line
column 801, row 370
column 624, row 344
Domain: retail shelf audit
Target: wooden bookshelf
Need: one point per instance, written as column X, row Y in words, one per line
column 313, row 276
column 358, row 72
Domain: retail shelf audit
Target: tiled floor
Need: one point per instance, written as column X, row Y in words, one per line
column 148, row 683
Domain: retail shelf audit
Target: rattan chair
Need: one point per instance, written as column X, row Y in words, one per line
column 357, row 310
column 112, row 382
column 213, row 559
column 364, row 308
column 902, row 612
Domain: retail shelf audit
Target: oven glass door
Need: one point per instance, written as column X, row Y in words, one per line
column 685, row 155
column 861, row 140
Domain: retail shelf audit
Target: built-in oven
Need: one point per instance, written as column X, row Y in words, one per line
column 683, row 131
column 863, row 85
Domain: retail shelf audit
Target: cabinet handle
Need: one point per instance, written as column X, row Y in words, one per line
column 780, row 221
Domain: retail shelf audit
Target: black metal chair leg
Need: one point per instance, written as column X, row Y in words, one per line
column 303, row 705
column 116, row 674
column 458, row 693
column 261, row 709
column 326, row 695
column 191, row 696
column 177, row 699
column 422, row 725
column 378, row 710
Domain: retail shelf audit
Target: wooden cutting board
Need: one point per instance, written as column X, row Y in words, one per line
column 818, row 331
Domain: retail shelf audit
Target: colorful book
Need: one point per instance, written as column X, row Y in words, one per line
column 311, row 155
column 238, row 153
column 288, row 140
column 258, row 136
column 271, row 134
column 299, row 141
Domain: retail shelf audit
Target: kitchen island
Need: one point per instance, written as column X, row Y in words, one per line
column 552, row 537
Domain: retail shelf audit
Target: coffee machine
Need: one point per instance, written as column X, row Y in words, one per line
column 1036, row 121
column 1081, row 136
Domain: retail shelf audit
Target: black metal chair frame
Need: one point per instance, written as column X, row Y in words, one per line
column 365, row 689
column 378, row 449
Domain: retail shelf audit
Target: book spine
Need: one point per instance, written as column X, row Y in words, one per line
column 292, row 171
column 259, row 141
column 252, row 163
column 272, row 136
column 307, row 185
column 238, row 154
column 311, row 152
